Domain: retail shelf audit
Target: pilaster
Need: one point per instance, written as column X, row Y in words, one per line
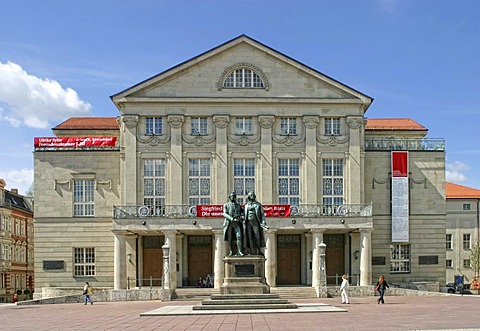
column 265, row 182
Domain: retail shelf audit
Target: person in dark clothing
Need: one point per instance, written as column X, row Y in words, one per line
column 381, row 286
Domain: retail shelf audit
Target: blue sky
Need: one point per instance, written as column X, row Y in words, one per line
column 418, row 59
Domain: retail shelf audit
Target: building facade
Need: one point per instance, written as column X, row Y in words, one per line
column 463, row 226
column 239, row 117
column 16, row 246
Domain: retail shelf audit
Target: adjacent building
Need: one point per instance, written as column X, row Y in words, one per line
column 16, row 245
column 463, row 226
column 110, row 192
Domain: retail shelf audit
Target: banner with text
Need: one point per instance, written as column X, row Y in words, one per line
column 269, row 210
column 74, row 142
column 400, row 197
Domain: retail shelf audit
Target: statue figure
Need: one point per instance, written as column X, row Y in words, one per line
column 233, row 224
column 254, row 225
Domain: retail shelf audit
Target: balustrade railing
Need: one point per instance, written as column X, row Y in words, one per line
column 186, row 211
column 405, row 144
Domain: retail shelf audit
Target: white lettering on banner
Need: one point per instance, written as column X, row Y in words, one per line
column 400, row 211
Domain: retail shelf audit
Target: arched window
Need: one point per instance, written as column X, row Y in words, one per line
column 243, row 75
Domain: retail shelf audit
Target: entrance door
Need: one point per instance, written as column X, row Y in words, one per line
column 334, row 256
column 199, row 258
column 288, row 259
column 152, row 261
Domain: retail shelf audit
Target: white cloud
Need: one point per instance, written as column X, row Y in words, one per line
column 34, row 102
column 19, row 179
column 454, row 172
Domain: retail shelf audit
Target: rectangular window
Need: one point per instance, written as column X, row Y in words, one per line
column 400, row 258
column 199, row 181
column 332, row 126
column 288, row 126
column 243, row 178
column 199, row 126
column 466, row 206
column 153, row 126
column 154, row 186
column 83, row 194
column 244, row 126
column 467, row 241
column 449, row 241
column 289, row 181
column 332, row 186
column 466, row 263
column 449, row 263
column 84, row 261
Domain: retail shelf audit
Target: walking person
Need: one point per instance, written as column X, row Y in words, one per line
column 344, row 289
column 87, row 292
column 381, row 286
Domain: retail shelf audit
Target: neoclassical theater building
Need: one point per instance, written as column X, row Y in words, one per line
column 110, row 192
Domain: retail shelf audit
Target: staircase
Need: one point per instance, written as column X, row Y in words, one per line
column 294, row 292
column 284, row 292
column 193, row 293
column 244, row 302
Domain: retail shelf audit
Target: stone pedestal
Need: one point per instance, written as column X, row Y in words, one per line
column 244, row 275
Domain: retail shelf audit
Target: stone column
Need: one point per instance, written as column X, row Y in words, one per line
column 119, row 268
column 354, row 160
column 317, row 238
column 179, row 259
column 310, row 159
column 171, row 241
column 365, row 257
column 220, row 160
column 131, row 260
column 129, row 156
column 174, row 165
column 167, row 267
column 219, row 266
column 265, row 192
column 270, row 257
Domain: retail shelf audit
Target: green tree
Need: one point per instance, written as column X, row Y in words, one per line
column 475, row 259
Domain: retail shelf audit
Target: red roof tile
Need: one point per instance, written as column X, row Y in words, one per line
column 89, row 123
column 402, row 124
column 454, row 191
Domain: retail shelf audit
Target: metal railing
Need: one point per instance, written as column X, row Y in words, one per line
column 143, row 211
column 353, row 280
column 343, row 210
column 404, row 144
column 186, row 211
column 149, row 282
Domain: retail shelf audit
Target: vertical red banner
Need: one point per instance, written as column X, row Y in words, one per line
column 399, row 164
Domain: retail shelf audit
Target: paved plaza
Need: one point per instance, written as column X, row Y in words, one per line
column 454, row 312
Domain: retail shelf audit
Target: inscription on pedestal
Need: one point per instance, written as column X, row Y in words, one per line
column 242, row 270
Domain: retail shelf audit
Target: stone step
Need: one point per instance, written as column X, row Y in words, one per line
column 243, row 296
column 244, row 302
column 246, row 307
column 295, row 292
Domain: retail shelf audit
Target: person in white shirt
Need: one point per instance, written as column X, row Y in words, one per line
column 344, row 289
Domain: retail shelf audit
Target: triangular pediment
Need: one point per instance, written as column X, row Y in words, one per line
column 202, row 77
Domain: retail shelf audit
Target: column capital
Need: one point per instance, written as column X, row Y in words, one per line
column 311, row 122
column 365, row 230
column 170, row 232
column 217, row 232
column 175, row 121
column 221, row 121
column 270, row 231
column 130, row 121
column 317, row 231
column 266, row 122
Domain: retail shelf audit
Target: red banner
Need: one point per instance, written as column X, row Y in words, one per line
column 399, row 164
column 74, row 142
column 217, row 210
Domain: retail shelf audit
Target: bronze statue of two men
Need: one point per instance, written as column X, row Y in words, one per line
column 243, row 226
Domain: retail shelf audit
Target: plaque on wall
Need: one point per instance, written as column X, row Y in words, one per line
column 429, row 259
column 53, row 265
column 244, row 270
column 378, row 260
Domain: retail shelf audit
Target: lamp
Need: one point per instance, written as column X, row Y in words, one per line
column 356, row 254
column 294, row 221
column 129, row 257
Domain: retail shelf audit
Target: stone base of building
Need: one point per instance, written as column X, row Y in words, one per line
column 244, row 275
